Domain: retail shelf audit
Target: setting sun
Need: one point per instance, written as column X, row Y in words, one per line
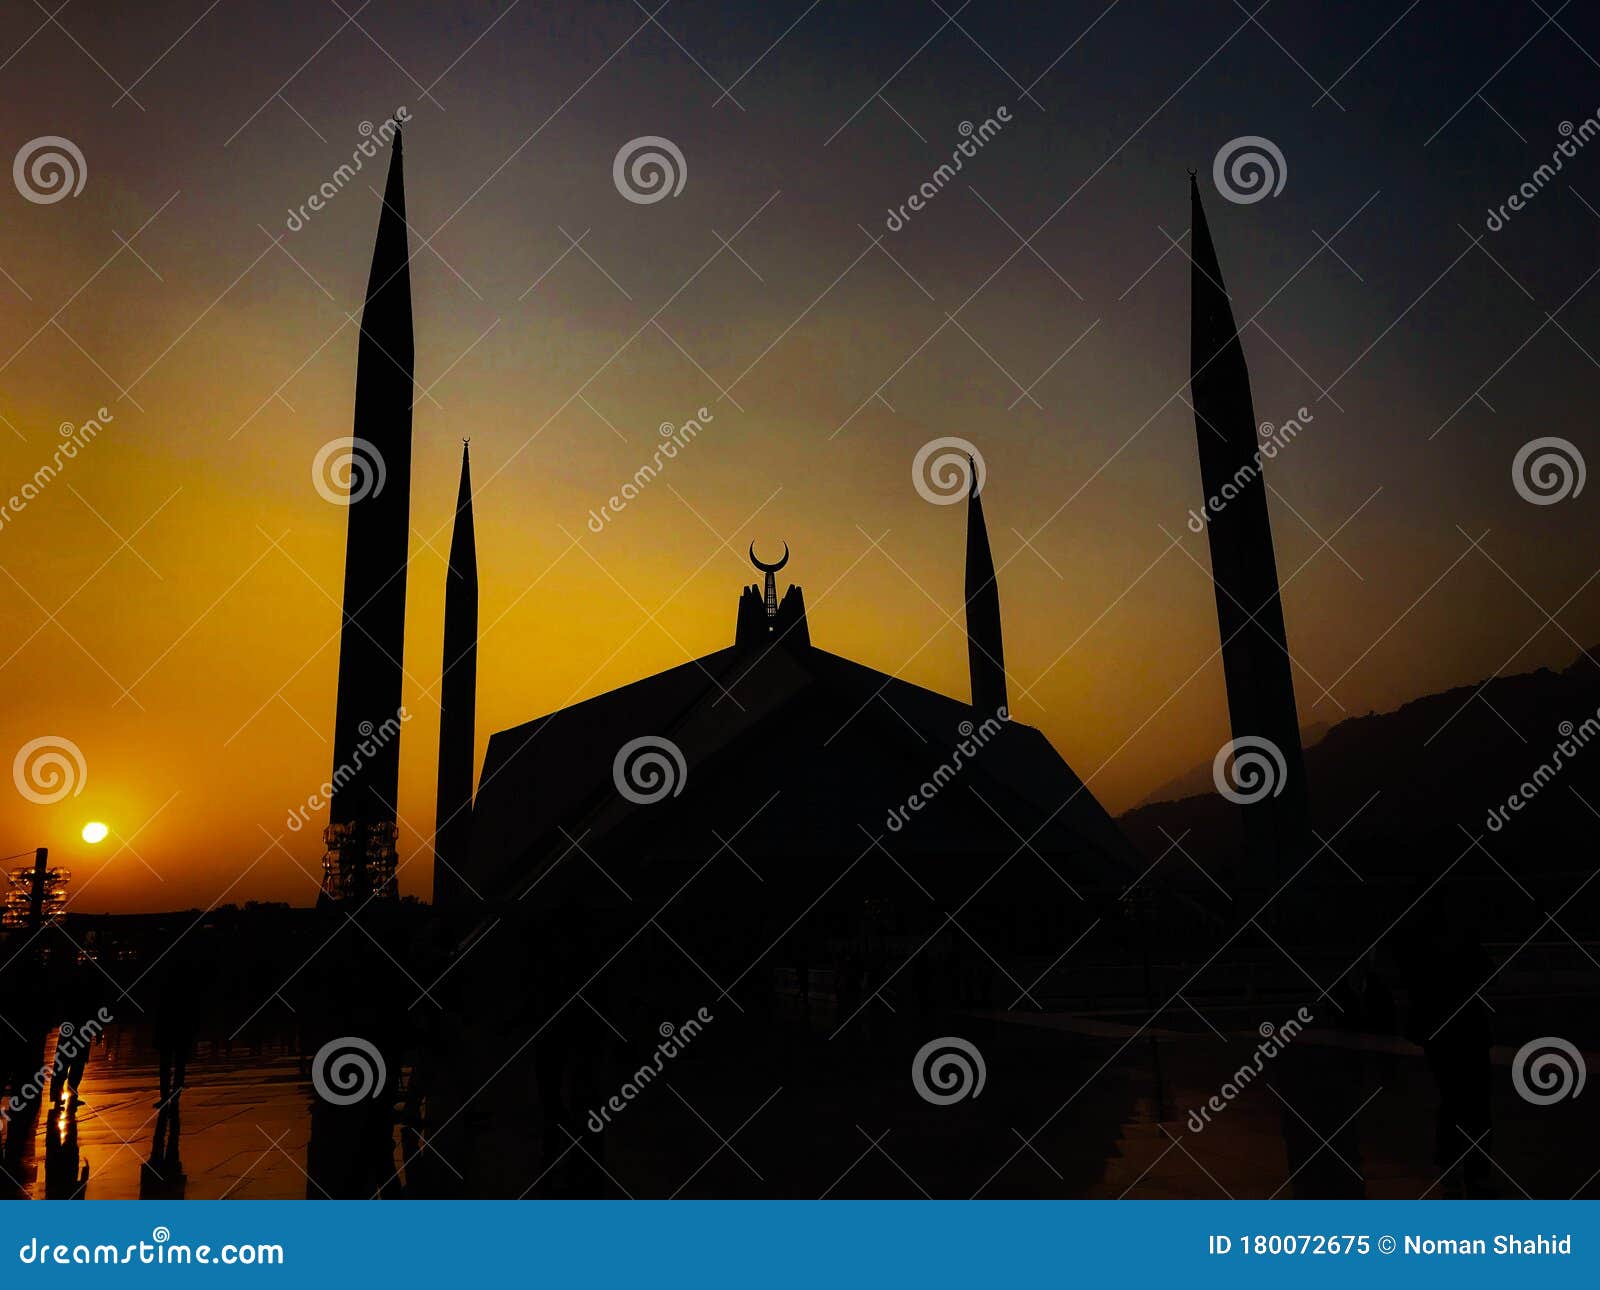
column 95, row 831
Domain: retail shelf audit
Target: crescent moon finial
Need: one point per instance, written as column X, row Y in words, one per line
column 769, row 568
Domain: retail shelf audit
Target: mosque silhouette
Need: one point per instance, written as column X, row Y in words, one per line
column 787, row 853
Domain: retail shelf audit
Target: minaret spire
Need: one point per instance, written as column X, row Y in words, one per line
column 985, row 651
column 1255, row 655
column 360, row 838
column 458, row 697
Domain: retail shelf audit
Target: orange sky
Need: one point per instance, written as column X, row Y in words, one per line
column 194, row 663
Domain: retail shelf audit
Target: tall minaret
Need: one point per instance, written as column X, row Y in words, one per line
column 1255, row 656
column 985, row 654
column 458, row 699
column 360, row 857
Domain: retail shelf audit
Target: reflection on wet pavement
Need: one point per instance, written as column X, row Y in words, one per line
column 243, row 1132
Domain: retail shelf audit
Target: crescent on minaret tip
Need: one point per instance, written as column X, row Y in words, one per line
column 769, row 568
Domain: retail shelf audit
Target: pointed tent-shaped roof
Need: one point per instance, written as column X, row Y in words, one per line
column 831, row 747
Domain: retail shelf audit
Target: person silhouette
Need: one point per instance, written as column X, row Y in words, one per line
column 174, row 1030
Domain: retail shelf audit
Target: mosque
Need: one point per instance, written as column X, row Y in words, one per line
column 771, row 832
column 783, row 769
